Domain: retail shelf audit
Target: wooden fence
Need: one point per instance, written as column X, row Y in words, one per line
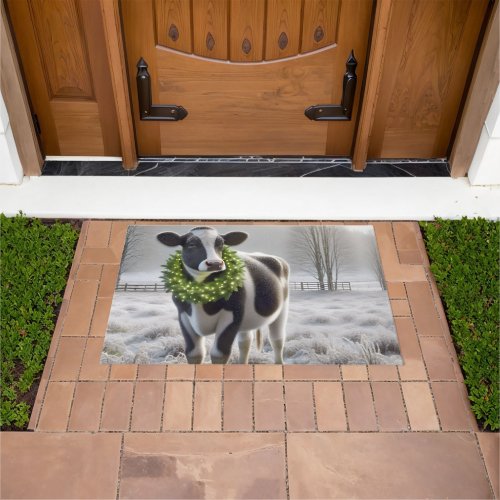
column 294, row 285
column 316, row 285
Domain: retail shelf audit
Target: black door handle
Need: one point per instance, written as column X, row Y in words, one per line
column 148, row 110
column 342, row 111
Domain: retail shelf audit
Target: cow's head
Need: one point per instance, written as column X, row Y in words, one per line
column 202, row 248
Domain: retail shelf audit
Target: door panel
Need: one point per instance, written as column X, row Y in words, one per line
column 429, row 54
column 61, row 44
column 252, row 69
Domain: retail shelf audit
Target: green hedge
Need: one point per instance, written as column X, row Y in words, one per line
column 464, row 258
column 34, row 260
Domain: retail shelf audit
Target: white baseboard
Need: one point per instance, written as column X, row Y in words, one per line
column 83, row 158
column 250, row 198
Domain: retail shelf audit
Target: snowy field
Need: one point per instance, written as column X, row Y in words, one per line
column 323, row 328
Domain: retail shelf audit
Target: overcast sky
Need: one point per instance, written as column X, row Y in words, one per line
column 142, row 262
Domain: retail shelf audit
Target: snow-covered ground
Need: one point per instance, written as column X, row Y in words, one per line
column 323, row 328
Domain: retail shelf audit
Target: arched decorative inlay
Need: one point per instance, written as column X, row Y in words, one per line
column 246, row 30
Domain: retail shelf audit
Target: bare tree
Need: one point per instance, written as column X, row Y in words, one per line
column 308, row 249
column 374, row 262
column 333, row 251
column 131, row 250
column 323, row 251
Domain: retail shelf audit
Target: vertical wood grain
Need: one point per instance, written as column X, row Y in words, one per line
column 372, row 83
column 117, row 67
column 138, row 30
column 62, row 45
column 320, row 20
column 16, row 102
column 99, row 65
column 27, row 44
column 341, row 134
column 429, row 53
column 246, row 30
column 283, row 19
column 484, row 84
column 174, row 15
column 210, row 28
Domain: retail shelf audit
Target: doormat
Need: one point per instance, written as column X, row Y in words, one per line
column 293, row 294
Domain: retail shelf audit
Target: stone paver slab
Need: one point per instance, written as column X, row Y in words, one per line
column 386, row 465
column 489, row 443
column 147, row 409
column 299, row 406
column 389, row 406
column 268, row 372
column 437, row 359
column 454, row 412
column 48, row 465
column 420, row 406
column 180, row 372
column 177, row 414
column 68, row 359
column 330, row 409
column 422, row 306
column 203, row 466
column 86, row 409
column 359, row 404
column 238, row 403
column 269, row 406
column 56, row 406
column 207, row 414
column 354, row 372
column 238, row 372
column 117, row 406
column 312, row 372
column 80, row 309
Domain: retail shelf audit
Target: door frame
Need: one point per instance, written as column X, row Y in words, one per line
column 32, row 158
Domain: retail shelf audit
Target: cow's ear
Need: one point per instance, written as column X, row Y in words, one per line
column 171, row 239
column 234, row 238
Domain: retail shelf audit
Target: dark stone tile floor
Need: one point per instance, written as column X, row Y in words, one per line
column 250, row 167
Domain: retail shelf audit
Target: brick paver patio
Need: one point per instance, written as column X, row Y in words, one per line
column 262, row 431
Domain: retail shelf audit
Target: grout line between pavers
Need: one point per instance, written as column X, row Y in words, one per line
column 315, row 415
column 222, row 403
column 265, row 431
column 377, row 422
column 119, row 478
column 131, row 406
column 163, row 403
column 424, row 363
column 253, row 398
column 192, row 404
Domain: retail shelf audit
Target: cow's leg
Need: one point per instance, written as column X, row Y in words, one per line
column 277, row 333
column 244, row 343
column 225, row 334
column 195, row 345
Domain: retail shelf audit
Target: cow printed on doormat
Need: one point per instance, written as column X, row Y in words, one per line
column 308, row 294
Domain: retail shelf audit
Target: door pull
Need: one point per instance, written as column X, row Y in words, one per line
column 148, row 110
column 342, row 111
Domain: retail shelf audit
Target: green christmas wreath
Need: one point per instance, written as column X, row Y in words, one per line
column 223, row 286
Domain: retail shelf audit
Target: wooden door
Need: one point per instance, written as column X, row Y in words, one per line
column 245, row 71
column 63, row 54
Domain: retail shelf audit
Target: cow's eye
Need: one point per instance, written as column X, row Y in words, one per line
column 191, row 245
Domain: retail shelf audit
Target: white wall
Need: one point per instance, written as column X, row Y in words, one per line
column 11, row 171
column 485, row 168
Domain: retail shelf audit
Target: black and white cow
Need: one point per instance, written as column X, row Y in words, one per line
column 261, row 301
